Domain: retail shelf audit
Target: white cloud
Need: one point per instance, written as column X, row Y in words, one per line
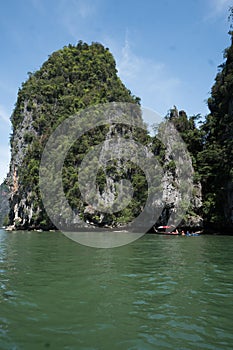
column 148, row 79
column 4, row 116
column 85, row 8
column 72, row 11
column 130, row 66
column 218, row 8
column 221, row 5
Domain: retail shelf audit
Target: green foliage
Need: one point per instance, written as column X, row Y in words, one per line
column 72, row 79
column 84, row 75
column 216, row 159
column 190, row 133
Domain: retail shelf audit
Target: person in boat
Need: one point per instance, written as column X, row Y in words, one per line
column 175, row 232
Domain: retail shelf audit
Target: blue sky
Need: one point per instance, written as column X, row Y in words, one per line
column 167, row 51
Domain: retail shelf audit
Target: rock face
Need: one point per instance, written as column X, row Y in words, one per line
column 182, row 194
column 73, row 79
column 21, row 202
column 4, row 204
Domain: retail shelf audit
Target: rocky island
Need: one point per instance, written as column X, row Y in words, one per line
column 77, row 77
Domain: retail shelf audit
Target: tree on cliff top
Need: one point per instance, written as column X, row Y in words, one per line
column 73, row 78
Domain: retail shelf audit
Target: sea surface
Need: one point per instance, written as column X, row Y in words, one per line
column 159, row 292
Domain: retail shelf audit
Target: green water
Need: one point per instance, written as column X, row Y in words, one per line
column 159, row 292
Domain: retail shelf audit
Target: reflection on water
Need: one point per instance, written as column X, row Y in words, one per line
column 104, row 239
column 155, row 293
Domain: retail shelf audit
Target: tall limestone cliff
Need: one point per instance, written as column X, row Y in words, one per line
column 216, row 160
column 71, row 80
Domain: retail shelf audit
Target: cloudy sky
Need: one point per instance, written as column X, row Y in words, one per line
column 167, row 51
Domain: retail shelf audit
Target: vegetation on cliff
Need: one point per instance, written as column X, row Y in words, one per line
column 215, row 161
column 211, row 147
column 71, row 79
column 84, row 75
